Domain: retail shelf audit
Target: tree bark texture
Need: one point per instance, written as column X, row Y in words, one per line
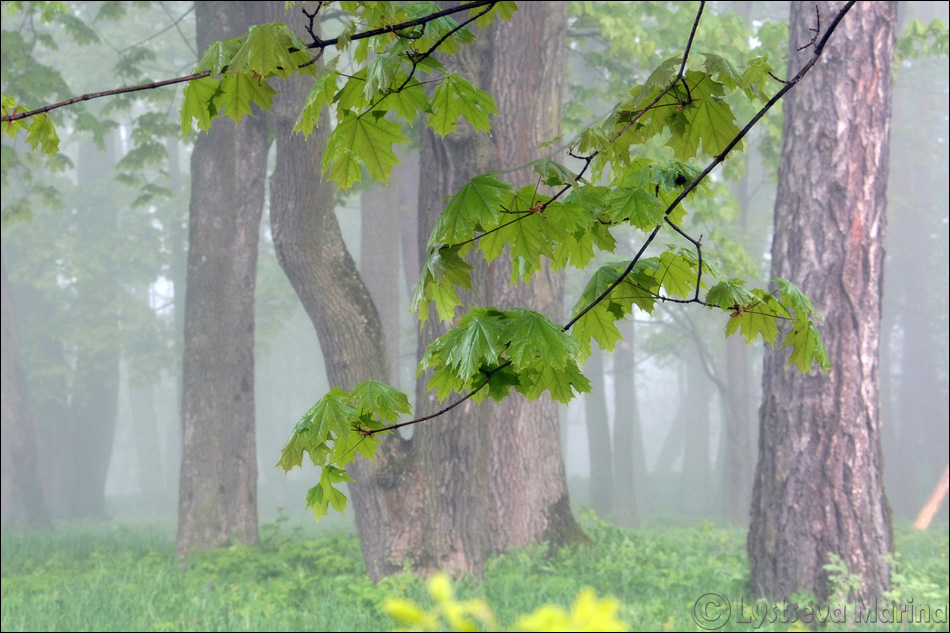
column 218, row 485
column 818, row 488
column 21, row 495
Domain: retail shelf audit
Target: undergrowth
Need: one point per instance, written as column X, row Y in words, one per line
column 124, row 579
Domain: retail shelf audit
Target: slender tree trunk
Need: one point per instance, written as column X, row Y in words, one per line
column 21, row 494
column 218, row 485
column 818, row 488
column 737, row 467
column 694, row 409
column 598, row 437
column 629, row 457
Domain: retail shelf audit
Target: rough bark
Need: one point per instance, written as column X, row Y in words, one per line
column 818, row 487
column 21, row 494
column 218, row 485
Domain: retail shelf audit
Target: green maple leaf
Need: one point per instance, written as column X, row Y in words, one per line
column 201, row 103
column 240, row 91
column 292, row 454
column 324, row 494
column 476, row 206
column 443, row 269
column 806, row 346
column 758, row 318
column 499, row 387
column 42, row 133
column 456, row 98
column 553, row 174
column 677, row 274
column 504, row 10
column 361, row 141
column 384, row 401
column 321, row 94
column 408, row 102
column 658, row 80
column 534, row 341
column 793, row 298
column 756, row 78
column 271, row 49
column 561, row 382
column 475, row 342
column 381, row 73
column 218, row 55
column 333, row 413
column 634, row 205
column 727, row 74
column 729, row 294
column 707, row 121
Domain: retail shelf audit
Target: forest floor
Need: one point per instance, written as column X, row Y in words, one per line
column 118, row 577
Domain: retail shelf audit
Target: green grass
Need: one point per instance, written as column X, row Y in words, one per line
column 121, row 578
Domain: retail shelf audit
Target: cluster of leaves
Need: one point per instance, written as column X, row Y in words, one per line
column 333, row 428
column 240, row 68
column 490, row 351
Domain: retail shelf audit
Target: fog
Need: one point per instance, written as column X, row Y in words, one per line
column 96, row 270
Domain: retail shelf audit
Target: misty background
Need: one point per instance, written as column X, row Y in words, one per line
column 97, row 271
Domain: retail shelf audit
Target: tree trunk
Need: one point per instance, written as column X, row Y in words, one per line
column 528, row 486
column 218, row 498
column 21, row 494
column 94, row 392
column 598, row 437
column 818, row 488
column 629, row 458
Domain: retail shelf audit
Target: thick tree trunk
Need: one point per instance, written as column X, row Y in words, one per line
column 218, row 498
column 818, row 488
column 21, row 495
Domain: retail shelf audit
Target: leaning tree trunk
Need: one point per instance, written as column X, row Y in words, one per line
column 312, row 253
column 818, row 488
column 218, row 487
